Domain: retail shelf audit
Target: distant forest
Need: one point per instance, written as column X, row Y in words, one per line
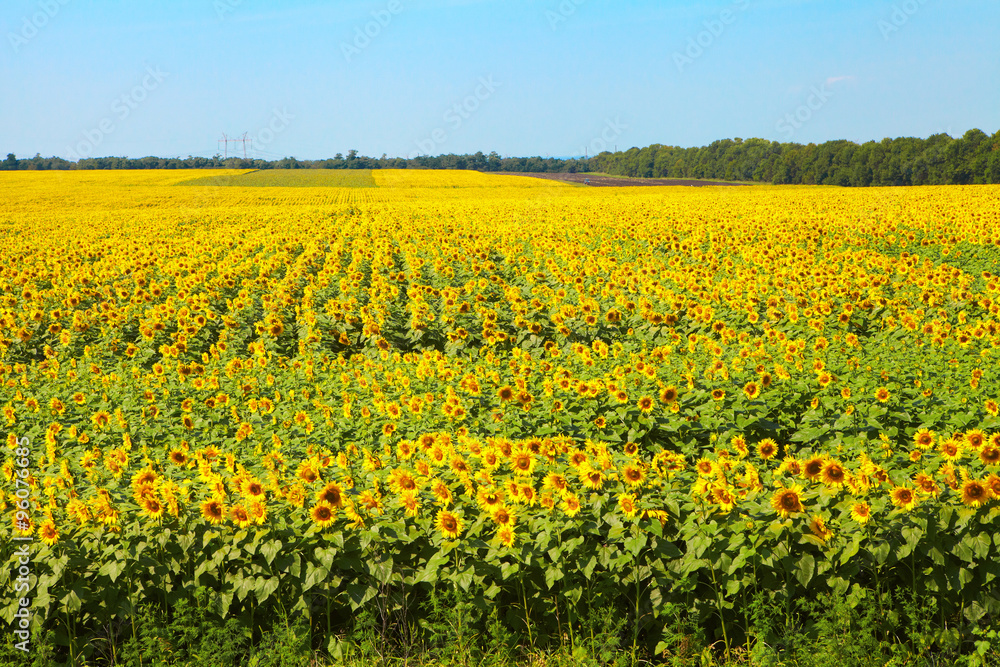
column 938, row 160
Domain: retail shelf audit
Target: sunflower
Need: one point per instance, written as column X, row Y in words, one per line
column 308, row 472
column 570, row 504
column 555, row 482
column 813, row 467
column 505, row 393
column 323, row 514
column 751, row 390
column 634, row 475
column 506, row 536
column 767, row 449
column 152, row 507
column 791, row 466
column 990, row 455
column 626, row 503
column 450, row 525
column 787, row 501
column 145, row 477
column 577, row 458
column 400, row 480
column 332, row 494
column 47, row 532
column 705, row 467
column 239, row 515
column 718, row 394
column 459, row 465
column 994, row 483
column 503, row 516
column 252, row 487
column 904, row 498
column 442, row 494
column 258, row 511
column 818, row 527
column 974, row 493
column 739, row 444
column 927, row 485
column 591, row 478
column 645, row 403
column 488, row 498
column 923, row 438
column 213, row 511
column 882, row 394
column 975, row 438
column 861, row 512
column 409, row 501
column 833, row 474
column 724, row 499
column 178, row 457
column 668, row 394
column 950, row 450
column 522, row 462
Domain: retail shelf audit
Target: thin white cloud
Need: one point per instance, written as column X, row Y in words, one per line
column 837, row 79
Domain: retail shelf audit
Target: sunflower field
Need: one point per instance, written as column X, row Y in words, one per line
column 330, row 396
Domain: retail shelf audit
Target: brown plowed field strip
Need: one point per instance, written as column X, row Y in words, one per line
column 616, row 181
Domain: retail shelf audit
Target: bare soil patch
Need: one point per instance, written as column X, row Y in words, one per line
column 617, row 181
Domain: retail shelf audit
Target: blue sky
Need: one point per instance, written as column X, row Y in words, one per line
column 547, row 77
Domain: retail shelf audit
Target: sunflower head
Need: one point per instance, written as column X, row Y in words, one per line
column 323, row 514
column 449, row 524
column 787, row 501
column 213, row 511
column 861, row 512
column 903, row 498
column 975, row 493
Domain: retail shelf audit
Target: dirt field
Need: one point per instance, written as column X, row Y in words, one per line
column 616, row 181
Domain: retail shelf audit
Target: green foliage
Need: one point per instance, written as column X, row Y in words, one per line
column 298, row 178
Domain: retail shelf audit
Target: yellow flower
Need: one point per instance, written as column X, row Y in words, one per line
column 570, row 504
column 448, row 524
column 506, row 536
column 786, row 501
column 904, row 498
column 818, row 527
column 861, row 512
column 626, row 503
column 213, row 511
column 975, row 493
column 323, row 514
column 767, row 449
column 47, row 532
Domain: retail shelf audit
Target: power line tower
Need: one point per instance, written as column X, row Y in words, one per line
column 225, row 141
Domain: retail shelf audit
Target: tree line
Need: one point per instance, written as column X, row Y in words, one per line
column 476, row 162
column 937, row 160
